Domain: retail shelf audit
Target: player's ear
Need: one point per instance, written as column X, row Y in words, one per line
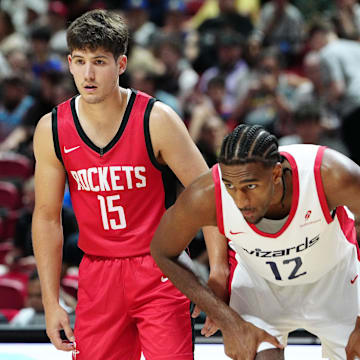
column 122, row 63
column 69, row 58
column 277, row 173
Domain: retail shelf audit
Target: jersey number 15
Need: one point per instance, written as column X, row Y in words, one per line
column 107, row 206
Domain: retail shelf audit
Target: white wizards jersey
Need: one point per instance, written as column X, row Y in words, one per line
column 311, row 241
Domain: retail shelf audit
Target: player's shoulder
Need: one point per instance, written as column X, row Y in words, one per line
column 163, row 113
column 336, row 164
column 44, row 124
column 164, row 120
column 337, row 170
column 199, row 198
column 202, row 189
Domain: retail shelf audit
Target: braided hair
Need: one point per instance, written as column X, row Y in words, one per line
column 250, row 143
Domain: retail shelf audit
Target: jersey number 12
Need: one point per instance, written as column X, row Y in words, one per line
column 293, row 275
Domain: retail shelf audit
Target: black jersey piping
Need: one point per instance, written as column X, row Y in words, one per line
column 117, row 136
column 55, row 134
column 168, row 177
column 148, row 142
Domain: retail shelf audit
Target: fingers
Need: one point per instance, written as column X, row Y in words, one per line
column 54, row 336
column 196, row 312
column 272, row 340
column 350, row 355
column 209, row 328
column 68, row 332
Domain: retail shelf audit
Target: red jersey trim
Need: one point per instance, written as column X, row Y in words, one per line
column 219, row 210
column 232, row 266
column 294, row 202
column 348, row 228
column 319, row 185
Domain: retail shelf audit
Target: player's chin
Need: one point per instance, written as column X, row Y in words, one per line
column 253, row 219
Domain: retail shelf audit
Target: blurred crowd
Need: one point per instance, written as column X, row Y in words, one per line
column 290, row 66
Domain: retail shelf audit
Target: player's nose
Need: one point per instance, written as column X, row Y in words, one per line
column 89, row 73
column 241, row 199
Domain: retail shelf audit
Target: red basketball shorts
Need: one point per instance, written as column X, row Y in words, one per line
column 126, row 306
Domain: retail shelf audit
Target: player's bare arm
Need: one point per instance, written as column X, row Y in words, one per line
column 195, row 208
column 47, row 230
column 341, row 179
column 173, row 146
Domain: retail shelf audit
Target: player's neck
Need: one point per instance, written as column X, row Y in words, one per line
column 283, row 197
column 106, row 111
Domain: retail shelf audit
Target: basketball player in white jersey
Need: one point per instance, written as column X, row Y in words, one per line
column 288, row 215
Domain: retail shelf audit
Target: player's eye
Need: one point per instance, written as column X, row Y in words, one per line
column 229, row 186
column 251, row 186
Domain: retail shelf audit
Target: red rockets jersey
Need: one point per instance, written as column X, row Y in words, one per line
column 120, row 192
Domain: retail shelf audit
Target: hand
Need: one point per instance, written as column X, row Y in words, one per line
column 209, row 328
column 56, row 320
column 353, row 346
column 217, row 282
column 242, row 339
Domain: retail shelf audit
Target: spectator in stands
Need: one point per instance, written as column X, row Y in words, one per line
column 33, row 312
column 314, row 9
column 211, row 9
column 339, row 61
column 178, row 77
column 231, row 66
column 206, row 106
column 346, row 19
column 57, row 21
column 10, row 40
column 267, row 100
column 148, row 82
column 315, row 91
column 15, row 102
column 211, row 136
column 141, row 28
column 228, row 20
column 282, row 25
column 42, row 58
column 54, row 87
column 308, row 129
column 23, row 250
column 174, row 19
column 19, row 63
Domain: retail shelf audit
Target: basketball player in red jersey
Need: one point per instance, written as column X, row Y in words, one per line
column 115, row 147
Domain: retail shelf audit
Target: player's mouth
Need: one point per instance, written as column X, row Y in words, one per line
column 248, row 214
column 90, row 88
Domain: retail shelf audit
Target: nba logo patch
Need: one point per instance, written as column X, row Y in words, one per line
column 307, row 215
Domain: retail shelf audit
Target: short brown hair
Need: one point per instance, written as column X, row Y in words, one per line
column 99, row 29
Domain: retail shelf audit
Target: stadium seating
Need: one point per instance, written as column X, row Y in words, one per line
column 12, row 292
column 69, row 284
column 10, row 197
column 15, row 166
